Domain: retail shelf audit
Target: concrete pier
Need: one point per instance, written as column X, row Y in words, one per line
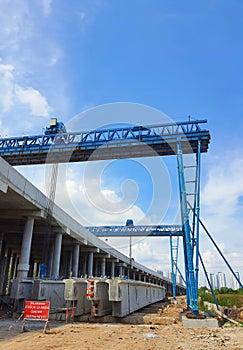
column 57, row 255
column 90, row 264
column 23, row 267
column 75, row 268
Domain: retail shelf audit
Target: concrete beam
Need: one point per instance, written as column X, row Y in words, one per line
column 3, row 186
column 20, row 213
column 90, row 249
column 113, row 260
column 102, row 255
column 128, row 296
column 121, row 264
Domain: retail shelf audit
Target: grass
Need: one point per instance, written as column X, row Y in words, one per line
column 229, row 300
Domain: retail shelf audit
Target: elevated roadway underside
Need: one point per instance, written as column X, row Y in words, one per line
column 29, row 242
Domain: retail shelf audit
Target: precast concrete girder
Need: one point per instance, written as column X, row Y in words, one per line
column 21, row 213
column 102, row 255
column 3, row 186
column 88, row 249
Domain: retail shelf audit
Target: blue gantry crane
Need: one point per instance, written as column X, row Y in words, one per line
column 179, row 138
column 112, row 143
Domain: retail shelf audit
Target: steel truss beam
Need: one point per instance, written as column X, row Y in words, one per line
column 136, row 231
column 115, row 143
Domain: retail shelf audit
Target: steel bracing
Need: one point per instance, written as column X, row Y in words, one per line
column 174, row 245
column 137, row 231
column 113, row 143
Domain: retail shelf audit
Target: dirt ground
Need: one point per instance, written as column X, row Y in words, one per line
column 162, row 331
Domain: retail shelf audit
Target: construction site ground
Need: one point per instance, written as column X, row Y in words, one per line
column 155, row 327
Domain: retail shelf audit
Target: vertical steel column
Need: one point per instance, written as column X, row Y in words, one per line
column 174, row 259
column 188, row 246
column 197, row 212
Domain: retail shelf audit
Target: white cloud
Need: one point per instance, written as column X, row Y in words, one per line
column 33, row 98
column 224, row 185
column 6, row 87
column 46, row 5
column 81, row 15
column 222, row 212
column 101, row 207
column 222, row 192
column 19, row 104
column 56, row 55
column 16, row 24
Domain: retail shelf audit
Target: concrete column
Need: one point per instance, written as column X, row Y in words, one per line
column 2, row 266
column 134, row 275
column 90, row 264
column 57, row 255
column 1, row 244
column 23, row 267
column 96, row 268
column 140, row 277
column 5, row 271
column 50, row 260
column 68, row 273
column 121, row 273
column 15, row 266
column 84, row 265
column 103, row 267
column 2, row 253
column 76, row 249
column 112, row 269
column 144, row 278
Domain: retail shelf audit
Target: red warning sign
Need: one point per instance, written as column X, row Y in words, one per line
column 37, row 310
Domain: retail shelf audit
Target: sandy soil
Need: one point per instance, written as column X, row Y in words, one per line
column 125, row 336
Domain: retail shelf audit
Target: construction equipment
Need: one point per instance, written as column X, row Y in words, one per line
column 55, row 127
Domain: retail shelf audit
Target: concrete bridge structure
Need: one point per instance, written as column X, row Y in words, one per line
column 36, row 250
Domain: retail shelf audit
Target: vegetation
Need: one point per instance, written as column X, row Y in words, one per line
column 225, row 297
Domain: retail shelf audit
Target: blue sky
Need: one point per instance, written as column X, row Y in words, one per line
column 60, row 58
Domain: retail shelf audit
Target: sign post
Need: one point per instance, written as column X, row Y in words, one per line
column 36, row 311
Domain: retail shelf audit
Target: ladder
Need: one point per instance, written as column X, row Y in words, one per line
column 189, row 186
